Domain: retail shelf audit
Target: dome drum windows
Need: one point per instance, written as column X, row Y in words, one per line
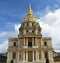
column 28, row 24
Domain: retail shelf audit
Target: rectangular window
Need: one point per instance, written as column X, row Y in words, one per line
column 29, row 42
column 27, row 31
column 45, row 43
column 14, row 44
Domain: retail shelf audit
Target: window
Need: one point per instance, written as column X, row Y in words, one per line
column 27, row 24
column 30, row 58
column 14, row 55
column 14, row 44
column 32, row 24
column 32, row 31
column 27, row 31
column 30, row 42
column 46, row 54
column 45, row 43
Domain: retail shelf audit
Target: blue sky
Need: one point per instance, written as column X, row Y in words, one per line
column 12, row 13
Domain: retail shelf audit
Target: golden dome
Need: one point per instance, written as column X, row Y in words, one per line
column 30, row 16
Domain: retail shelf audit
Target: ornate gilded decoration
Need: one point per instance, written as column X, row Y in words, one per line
column 30, row 16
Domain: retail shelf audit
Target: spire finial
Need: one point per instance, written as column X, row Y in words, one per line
column 30, row 10
column 30, row 6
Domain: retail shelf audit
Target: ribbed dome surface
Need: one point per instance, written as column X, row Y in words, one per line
column 30, row 18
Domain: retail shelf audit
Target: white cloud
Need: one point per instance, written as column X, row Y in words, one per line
column 16, row 26
column 3, row 47
column 6, row 35
column 50, row 24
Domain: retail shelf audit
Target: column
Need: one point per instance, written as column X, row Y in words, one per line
column 33, row 56
column 18, row 56
column 50, row 55
column 42, row 55
column 23, row 56
column 26, row 41
column 38, row 56
column 26, row 56
column 11, row 55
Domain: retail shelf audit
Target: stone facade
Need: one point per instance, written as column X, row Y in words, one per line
column 30, row 46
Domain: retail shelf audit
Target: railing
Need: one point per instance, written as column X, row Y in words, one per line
column 44, row 47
